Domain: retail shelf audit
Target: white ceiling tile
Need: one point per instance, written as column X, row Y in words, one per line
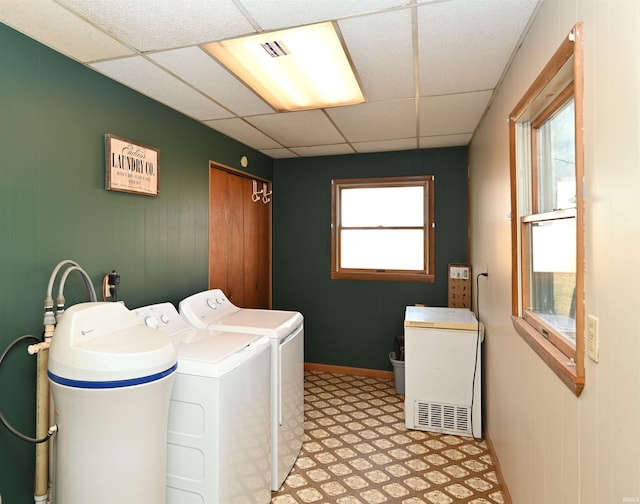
column 323, row 150
column 145, row 77
column 197, row 68
column 445, row 141
column 152, row 46
column 275, row 14
column 384, row 62
column 376, row 121
column 150, row 25
column 61, row 30
column 298, row 129
column 450, row 114
column 386, row 145
column 243, row 132
column 279, row 153
column 463, row 46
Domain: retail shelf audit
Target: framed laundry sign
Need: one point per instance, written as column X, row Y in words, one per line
column 131, row 167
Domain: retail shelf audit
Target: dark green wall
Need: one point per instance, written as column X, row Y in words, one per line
column 347, row 322
column 54, row 114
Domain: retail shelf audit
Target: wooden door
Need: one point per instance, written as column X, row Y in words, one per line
column 239, row 240
column 219, row 229
column 257, row 250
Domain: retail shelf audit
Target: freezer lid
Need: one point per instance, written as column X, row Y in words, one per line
column 440, row 318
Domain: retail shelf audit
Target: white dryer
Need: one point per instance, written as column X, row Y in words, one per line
column 219, row 437
column 211, row 309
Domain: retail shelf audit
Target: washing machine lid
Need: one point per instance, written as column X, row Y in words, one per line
column 440, row 318
column 214, row 353
column 274, row 324
column 105, row 343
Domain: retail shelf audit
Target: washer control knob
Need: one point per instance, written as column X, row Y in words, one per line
column 164, row 319
column 212, row 303
column 220, row 300
column 151, row 322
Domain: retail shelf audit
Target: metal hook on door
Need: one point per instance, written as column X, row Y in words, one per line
column 256, row 194
column 255, row 197
column 265, row 195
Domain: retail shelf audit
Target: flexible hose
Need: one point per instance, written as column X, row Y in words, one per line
column 4, row 421
column 15, row 342
column 55, row 272
column 48, row 301
column 85, row 277
column 19, row 435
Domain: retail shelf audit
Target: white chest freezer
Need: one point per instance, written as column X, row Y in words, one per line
column 443, row 370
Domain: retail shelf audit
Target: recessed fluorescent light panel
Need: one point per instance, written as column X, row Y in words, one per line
column 296, row 69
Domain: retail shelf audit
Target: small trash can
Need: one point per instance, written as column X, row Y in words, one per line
column 398, row 373
column 399, row 347
column 111, row 378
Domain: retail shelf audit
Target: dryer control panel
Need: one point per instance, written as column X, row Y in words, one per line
column 206, row 307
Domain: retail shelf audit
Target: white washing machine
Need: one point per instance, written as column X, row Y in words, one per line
column 211, row 309
column 219, row 437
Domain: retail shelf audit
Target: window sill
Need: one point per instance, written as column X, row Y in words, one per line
column 559, row 363
column 382, row 276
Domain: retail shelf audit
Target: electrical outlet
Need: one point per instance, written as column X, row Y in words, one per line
column 593, row 338
column 111, row 280
column 459, row 273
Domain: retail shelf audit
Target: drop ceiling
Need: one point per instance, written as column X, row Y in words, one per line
column 428, row 68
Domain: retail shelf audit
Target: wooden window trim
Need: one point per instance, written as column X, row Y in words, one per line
column 570, row 371
column 565, row 368
column 428, row 275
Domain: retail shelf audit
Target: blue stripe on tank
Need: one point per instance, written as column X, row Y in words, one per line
column 108, row 384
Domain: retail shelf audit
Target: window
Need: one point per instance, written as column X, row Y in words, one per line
column 548, row 214
column 382, row 229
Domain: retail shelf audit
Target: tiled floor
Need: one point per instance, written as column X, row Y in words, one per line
column 357, row 451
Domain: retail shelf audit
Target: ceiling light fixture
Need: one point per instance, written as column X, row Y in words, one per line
column 295, row 69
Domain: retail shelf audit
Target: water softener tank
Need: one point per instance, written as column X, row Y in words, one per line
column 111, row 379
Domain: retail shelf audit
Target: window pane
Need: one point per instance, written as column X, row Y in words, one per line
column 557, row 161
column 382, row 206
column 388, row 249
column 553, row 274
